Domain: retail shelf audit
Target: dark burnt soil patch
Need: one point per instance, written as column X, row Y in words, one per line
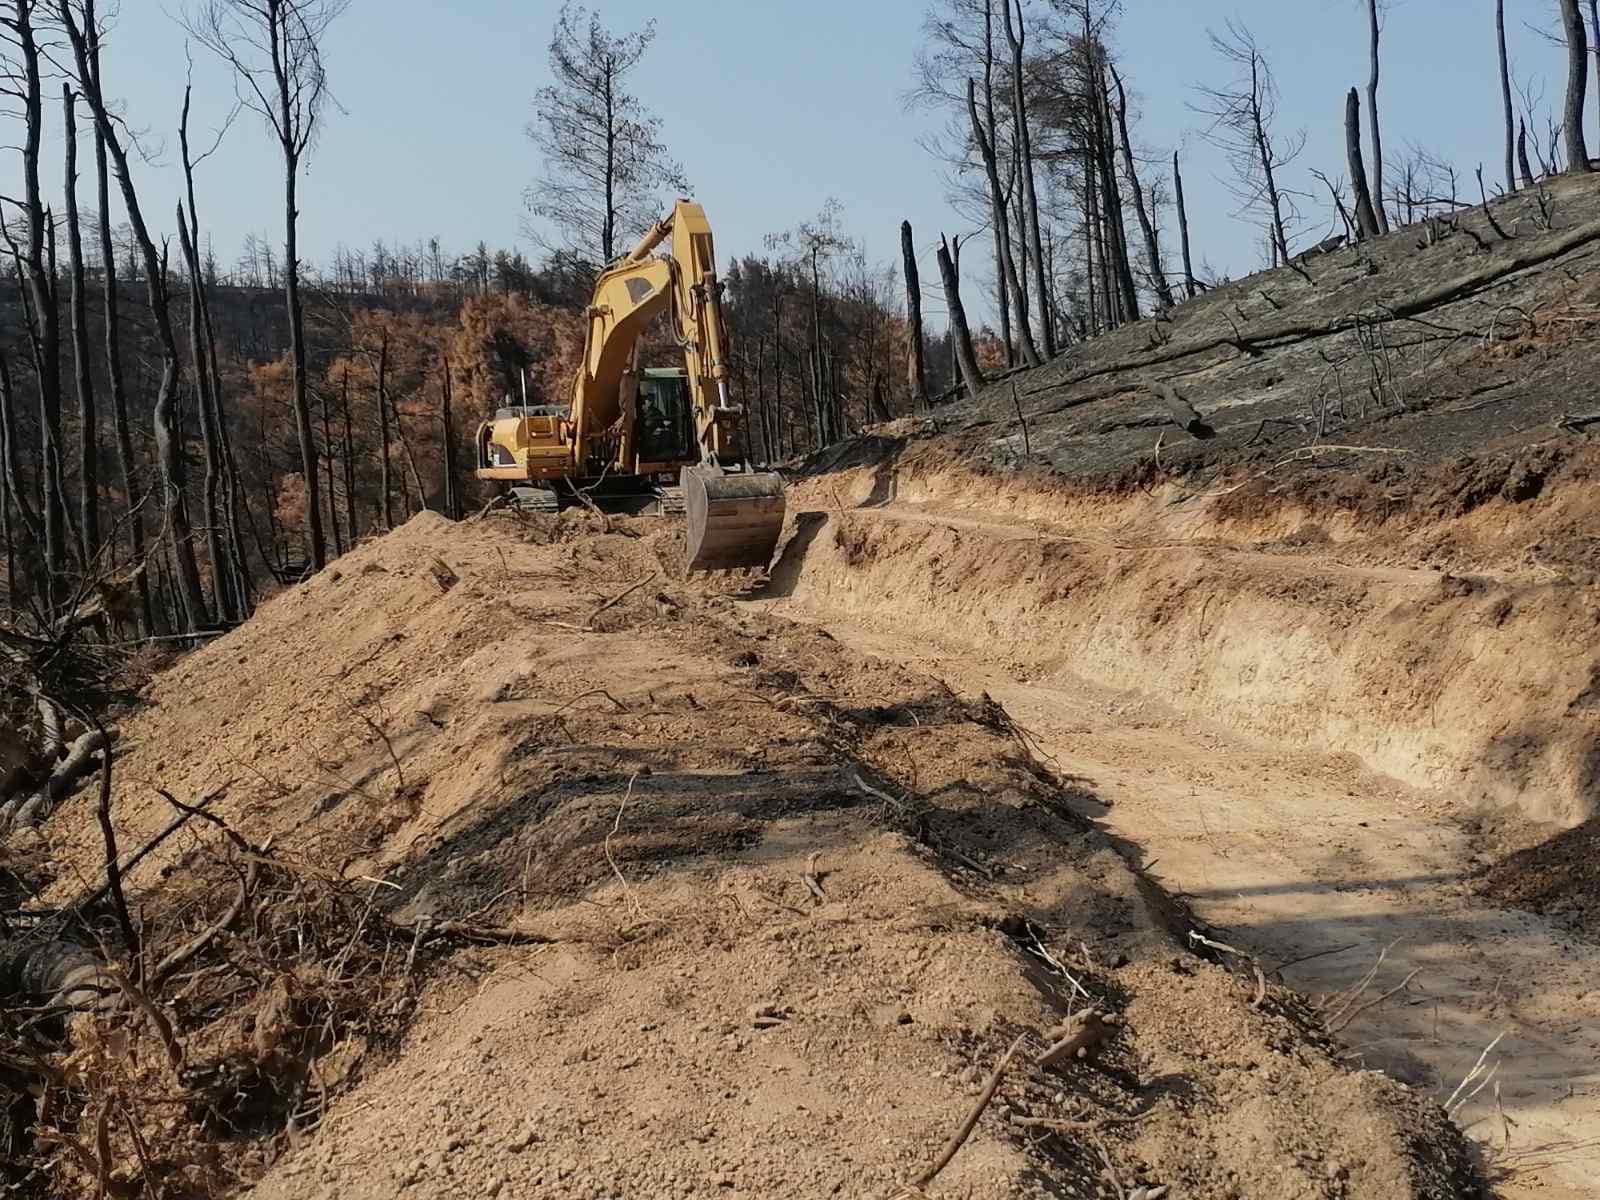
column 1436, row 346
column 1558, row 878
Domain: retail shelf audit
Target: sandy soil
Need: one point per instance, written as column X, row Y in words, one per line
column 1287, row 728
column 456, row 723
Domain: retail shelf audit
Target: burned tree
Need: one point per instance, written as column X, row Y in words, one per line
column 916, row 368
column 605, row 161
column 960, row 331
column 1002, row 230
column 116, row 389
column 274, row 48
column 1152, row 244
column 1016, row 37
column 1505, row 95
column 42, row 318
column 1183, row 227
column 164, row 416
column 1367, row 222
column 1376, row 194
column 1242, row 113
column 88, row 424
column 1577, row 87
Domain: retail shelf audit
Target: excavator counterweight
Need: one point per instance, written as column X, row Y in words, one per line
column 631, row 428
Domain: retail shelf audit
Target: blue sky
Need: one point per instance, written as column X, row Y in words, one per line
column 771, row 107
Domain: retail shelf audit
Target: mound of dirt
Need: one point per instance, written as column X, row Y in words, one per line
column 1559, row 877
column 788, row 907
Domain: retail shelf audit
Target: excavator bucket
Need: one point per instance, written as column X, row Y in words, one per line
column 734, row 519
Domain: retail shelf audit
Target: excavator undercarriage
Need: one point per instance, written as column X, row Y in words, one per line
column 653, row 439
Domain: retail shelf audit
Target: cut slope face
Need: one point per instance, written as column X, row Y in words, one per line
column 1453, row 652
column 798, row 902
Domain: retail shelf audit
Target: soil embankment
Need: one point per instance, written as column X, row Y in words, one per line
column 792, row 903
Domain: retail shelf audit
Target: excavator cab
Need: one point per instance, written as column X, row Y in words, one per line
column 666, row 421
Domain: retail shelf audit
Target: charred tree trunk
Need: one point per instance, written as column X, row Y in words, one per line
column 45, row 326
column 221, row 487
column 88, row 421
column 1577, row 87
column 348, row 453
column 1091, row 274
column 1183, row 228
column 1367, row 222
column 1376, row 194
column 777, row 369
column 1111, row 201
column 212, row 484
column 452, row 483
column 327, row 473
column 385, row 483
column 916, row 366
column 15, row 485
column 1152, row 246
column 316, row 547
column 1505, row 94
column 1016, row 36
column 113, row 350
column 1523, row 164
column 1003, row 270
column 1594, row 44
column 960, row 334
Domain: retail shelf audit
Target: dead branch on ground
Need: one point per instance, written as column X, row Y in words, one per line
column 959, row 1138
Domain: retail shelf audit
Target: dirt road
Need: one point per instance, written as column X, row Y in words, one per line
column 1340, row 879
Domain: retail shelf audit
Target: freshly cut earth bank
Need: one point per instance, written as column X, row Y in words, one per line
column 797, row 902
column 1439, row 624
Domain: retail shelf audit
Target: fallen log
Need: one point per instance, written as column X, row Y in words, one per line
column 53, row 974
column 1184, row 414
column 82, row 758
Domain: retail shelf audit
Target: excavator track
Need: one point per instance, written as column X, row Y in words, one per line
column 670, row 501
column 535, row 500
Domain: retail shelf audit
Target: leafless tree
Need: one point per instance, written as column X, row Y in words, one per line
column 1594, row 43
column 274, row 48
column 24, row 81
column 1242, row 113
column 131, row 490
column 1005, row 257
column 1016, row 38
column 605, row 164
column 1577, row 87
column 164, row 415
column 960, row 331
column 1152, row 243
column 219, row 532
column 88, row 423
column 955, row 71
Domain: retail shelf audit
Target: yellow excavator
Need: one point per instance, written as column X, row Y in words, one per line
column 627, row 432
